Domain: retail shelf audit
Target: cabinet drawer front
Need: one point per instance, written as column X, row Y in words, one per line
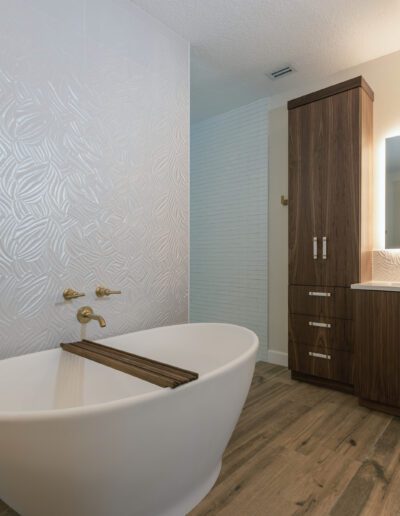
column 322, row 301
column 321, row 332
column 326, row 363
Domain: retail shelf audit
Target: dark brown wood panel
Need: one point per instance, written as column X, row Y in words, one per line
column 330, row 144
column 377, row 346
column 341, row 190
column 159, row 373
column 306, row 134
column 321, row 301
column 356, row 82
column 337, row 336
column 333, row 364
column 330, row 185
column 323, row 382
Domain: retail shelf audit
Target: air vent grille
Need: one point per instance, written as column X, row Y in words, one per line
column 281, row 72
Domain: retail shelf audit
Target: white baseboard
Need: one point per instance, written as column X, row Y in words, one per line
column 277, row 357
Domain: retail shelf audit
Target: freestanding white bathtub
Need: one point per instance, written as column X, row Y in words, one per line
column 81, row 439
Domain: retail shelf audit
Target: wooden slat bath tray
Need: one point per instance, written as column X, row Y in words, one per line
column 163, row 375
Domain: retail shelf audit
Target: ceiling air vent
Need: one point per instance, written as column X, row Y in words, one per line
column 281, row 72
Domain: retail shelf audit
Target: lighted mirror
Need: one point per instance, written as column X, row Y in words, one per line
column 393, row 192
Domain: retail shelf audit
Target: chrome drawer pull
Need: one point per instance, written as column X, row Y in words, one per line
column 319, row 324
column 319, row 355
column 315, row 248
column 320, row 294
column 324, row 248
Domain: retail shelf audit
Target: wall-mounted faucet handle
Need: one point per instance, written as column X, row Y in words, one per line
column 70, row 293
column 103, row 291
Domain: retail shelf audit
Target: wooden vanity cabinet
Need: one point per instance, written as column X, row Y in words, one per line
column 377, row 349
column 330, row 241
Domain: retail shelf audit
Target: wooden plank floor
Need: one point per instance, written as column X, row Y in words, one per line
column 303, row 450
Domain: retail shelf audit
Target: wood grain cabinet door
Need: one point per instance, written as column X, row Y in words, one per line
column 306, row 135
column 377, row 346
column 341, row 189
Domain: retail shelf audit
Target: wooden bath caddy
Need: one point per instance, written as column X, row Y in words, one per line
column 163, row 375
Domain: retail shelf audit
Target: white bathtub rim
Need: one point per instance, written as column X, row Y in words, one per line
column 108, row 406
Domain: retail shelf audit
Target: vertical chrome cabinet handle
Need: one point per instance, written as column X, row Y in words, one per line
column 324, row 248
column 315, row 248
column 319, row 324
column 319, row 355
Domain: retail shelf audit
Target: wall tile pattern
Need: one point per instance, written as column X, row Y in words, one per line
column 94, row 104
column 228, row 226
column 386, row 265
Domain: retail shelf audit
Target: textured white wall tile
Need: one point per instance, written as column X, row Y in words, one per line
column 93, row 170
column 386, row 265
column 228, row 223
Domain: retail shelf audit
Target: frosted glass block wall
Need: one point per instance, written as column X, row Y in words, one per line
column 228, row 228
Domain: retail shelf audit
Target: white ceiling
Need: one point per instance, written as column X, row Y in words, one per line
column 234, row 42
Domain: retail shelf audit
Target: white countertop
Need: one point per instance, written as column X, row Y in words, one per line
column 393, row 286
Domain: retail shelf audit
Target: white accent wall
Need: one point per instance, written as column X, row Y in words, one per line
column 228, row 225
column 94, row 110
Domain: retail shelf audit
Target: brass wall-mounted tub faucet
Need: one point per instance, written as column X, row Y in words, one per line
column 85, row 314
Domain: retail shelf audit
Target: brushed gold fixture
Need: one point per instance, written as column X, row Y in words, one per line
column 85, row 314
column 70, row 293
column 284, row 200
column 103, row 291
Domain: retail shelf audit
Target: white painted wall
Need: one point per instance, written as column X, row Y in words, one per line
column 383, row 75
column 94, row 110
column 278, row 249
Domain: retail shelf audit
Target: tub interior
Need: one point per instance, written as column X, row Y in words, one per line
column 56, row 379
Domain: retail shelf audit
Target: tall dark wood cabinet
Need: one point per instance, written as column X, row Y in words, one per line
column 330, row 239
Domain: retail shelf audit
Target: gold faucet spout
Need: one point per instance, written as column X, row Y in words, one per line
column 86, row 314
column 99, row 319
